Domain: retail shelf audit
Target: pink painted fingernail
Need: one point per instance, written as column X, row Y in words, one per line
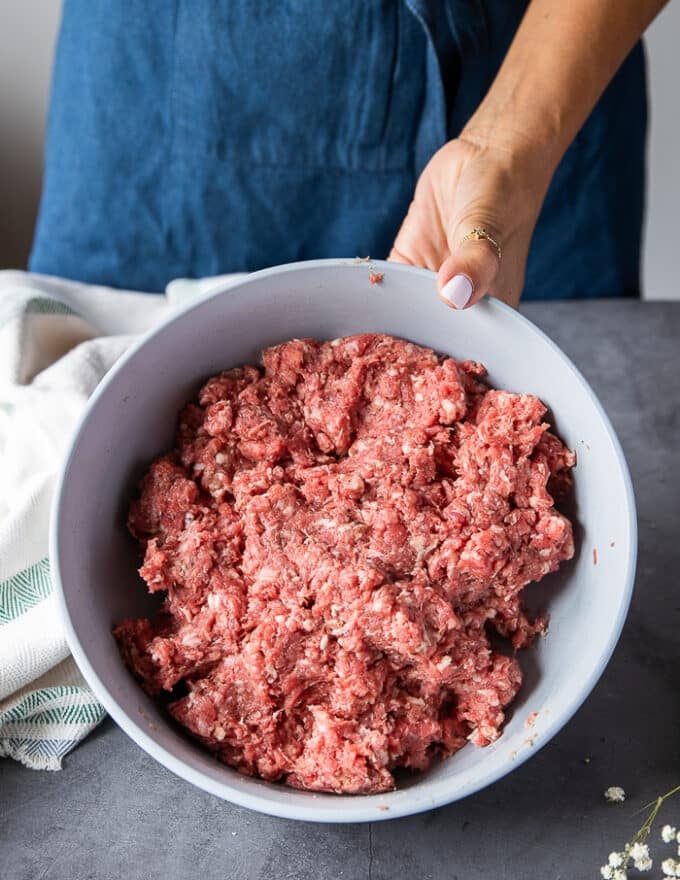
column 458, row 291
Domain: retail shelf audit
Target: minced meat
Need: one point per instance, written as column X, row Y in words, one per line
column 336, row 535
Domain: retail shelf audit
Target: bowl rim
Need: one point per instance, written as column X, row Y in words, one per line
column 359, row 808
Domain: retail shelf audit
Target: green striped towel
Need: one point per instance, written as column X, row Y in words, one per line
column 57, row 339
column 44, row 720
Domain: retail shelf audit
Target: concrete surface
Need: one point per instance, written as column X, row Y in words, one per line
column 112, row 812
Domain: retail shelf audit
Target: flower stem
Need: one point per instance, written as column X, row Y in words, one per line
column 653, row 807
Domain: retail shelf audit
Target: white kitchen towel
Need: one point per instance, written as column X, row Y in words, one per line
column 57, row 339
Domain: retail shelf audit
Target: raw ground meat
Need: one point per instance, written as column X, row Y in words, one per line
column 336, row 537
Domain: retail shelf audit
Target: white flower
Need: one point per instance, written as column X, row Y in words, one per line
column 615, row 794
column 639, row 851
column 611, row 873
column 668, row 834
column 614, row 870
column 670, row 868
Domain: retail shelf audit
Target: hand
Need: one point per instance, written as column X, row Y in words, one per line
column 465, row 186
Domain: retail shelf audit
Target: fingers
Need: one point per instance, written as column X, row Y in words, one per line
column 468, row 273
column 396, row 257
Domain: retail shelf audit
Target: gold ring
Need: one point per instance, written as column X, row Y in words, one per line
column 478, row 234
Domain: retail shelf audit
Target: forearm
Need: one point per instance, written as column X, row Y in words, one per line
column 562, row 58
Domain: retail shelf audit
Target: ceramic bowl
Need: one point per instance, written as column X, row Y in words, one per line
column 131, row 419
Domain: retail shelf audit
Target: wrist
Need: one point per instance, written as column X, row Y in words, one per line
column 528, row 162
column 512, row 120
column 527, row 154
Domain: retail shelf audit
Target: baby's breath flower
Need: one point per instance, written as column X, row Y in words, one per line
column 670, row 868
column 638, row 851
column 644, row 864
column 668, row 833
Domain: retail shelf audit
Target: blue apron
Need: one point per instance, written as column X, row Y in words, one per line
column 190, row 139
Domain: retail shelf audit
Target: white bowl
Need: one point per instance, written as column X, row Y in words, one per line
column 131, row 419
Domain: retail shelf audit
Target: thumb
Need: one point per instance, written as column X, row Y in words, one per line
column 471, row 269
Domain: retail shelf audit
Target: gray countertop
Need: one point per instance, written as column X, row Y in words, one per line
column 113, row 812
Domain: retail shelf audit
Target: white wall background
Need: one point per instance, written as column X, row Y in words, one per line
column 661, row 266
column 27, row 32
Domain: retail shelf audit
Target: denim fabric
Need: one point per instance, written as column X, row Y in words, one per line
column 190, row 139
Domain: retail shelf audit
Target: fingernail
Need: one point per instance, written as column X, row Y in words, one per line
column 458, row 291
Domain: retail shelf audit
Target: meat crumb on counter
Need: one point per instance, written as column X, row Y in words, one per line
column 338, row 538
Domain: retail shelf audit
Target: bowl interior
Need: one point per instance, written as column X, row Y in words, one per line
column 132, row 417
